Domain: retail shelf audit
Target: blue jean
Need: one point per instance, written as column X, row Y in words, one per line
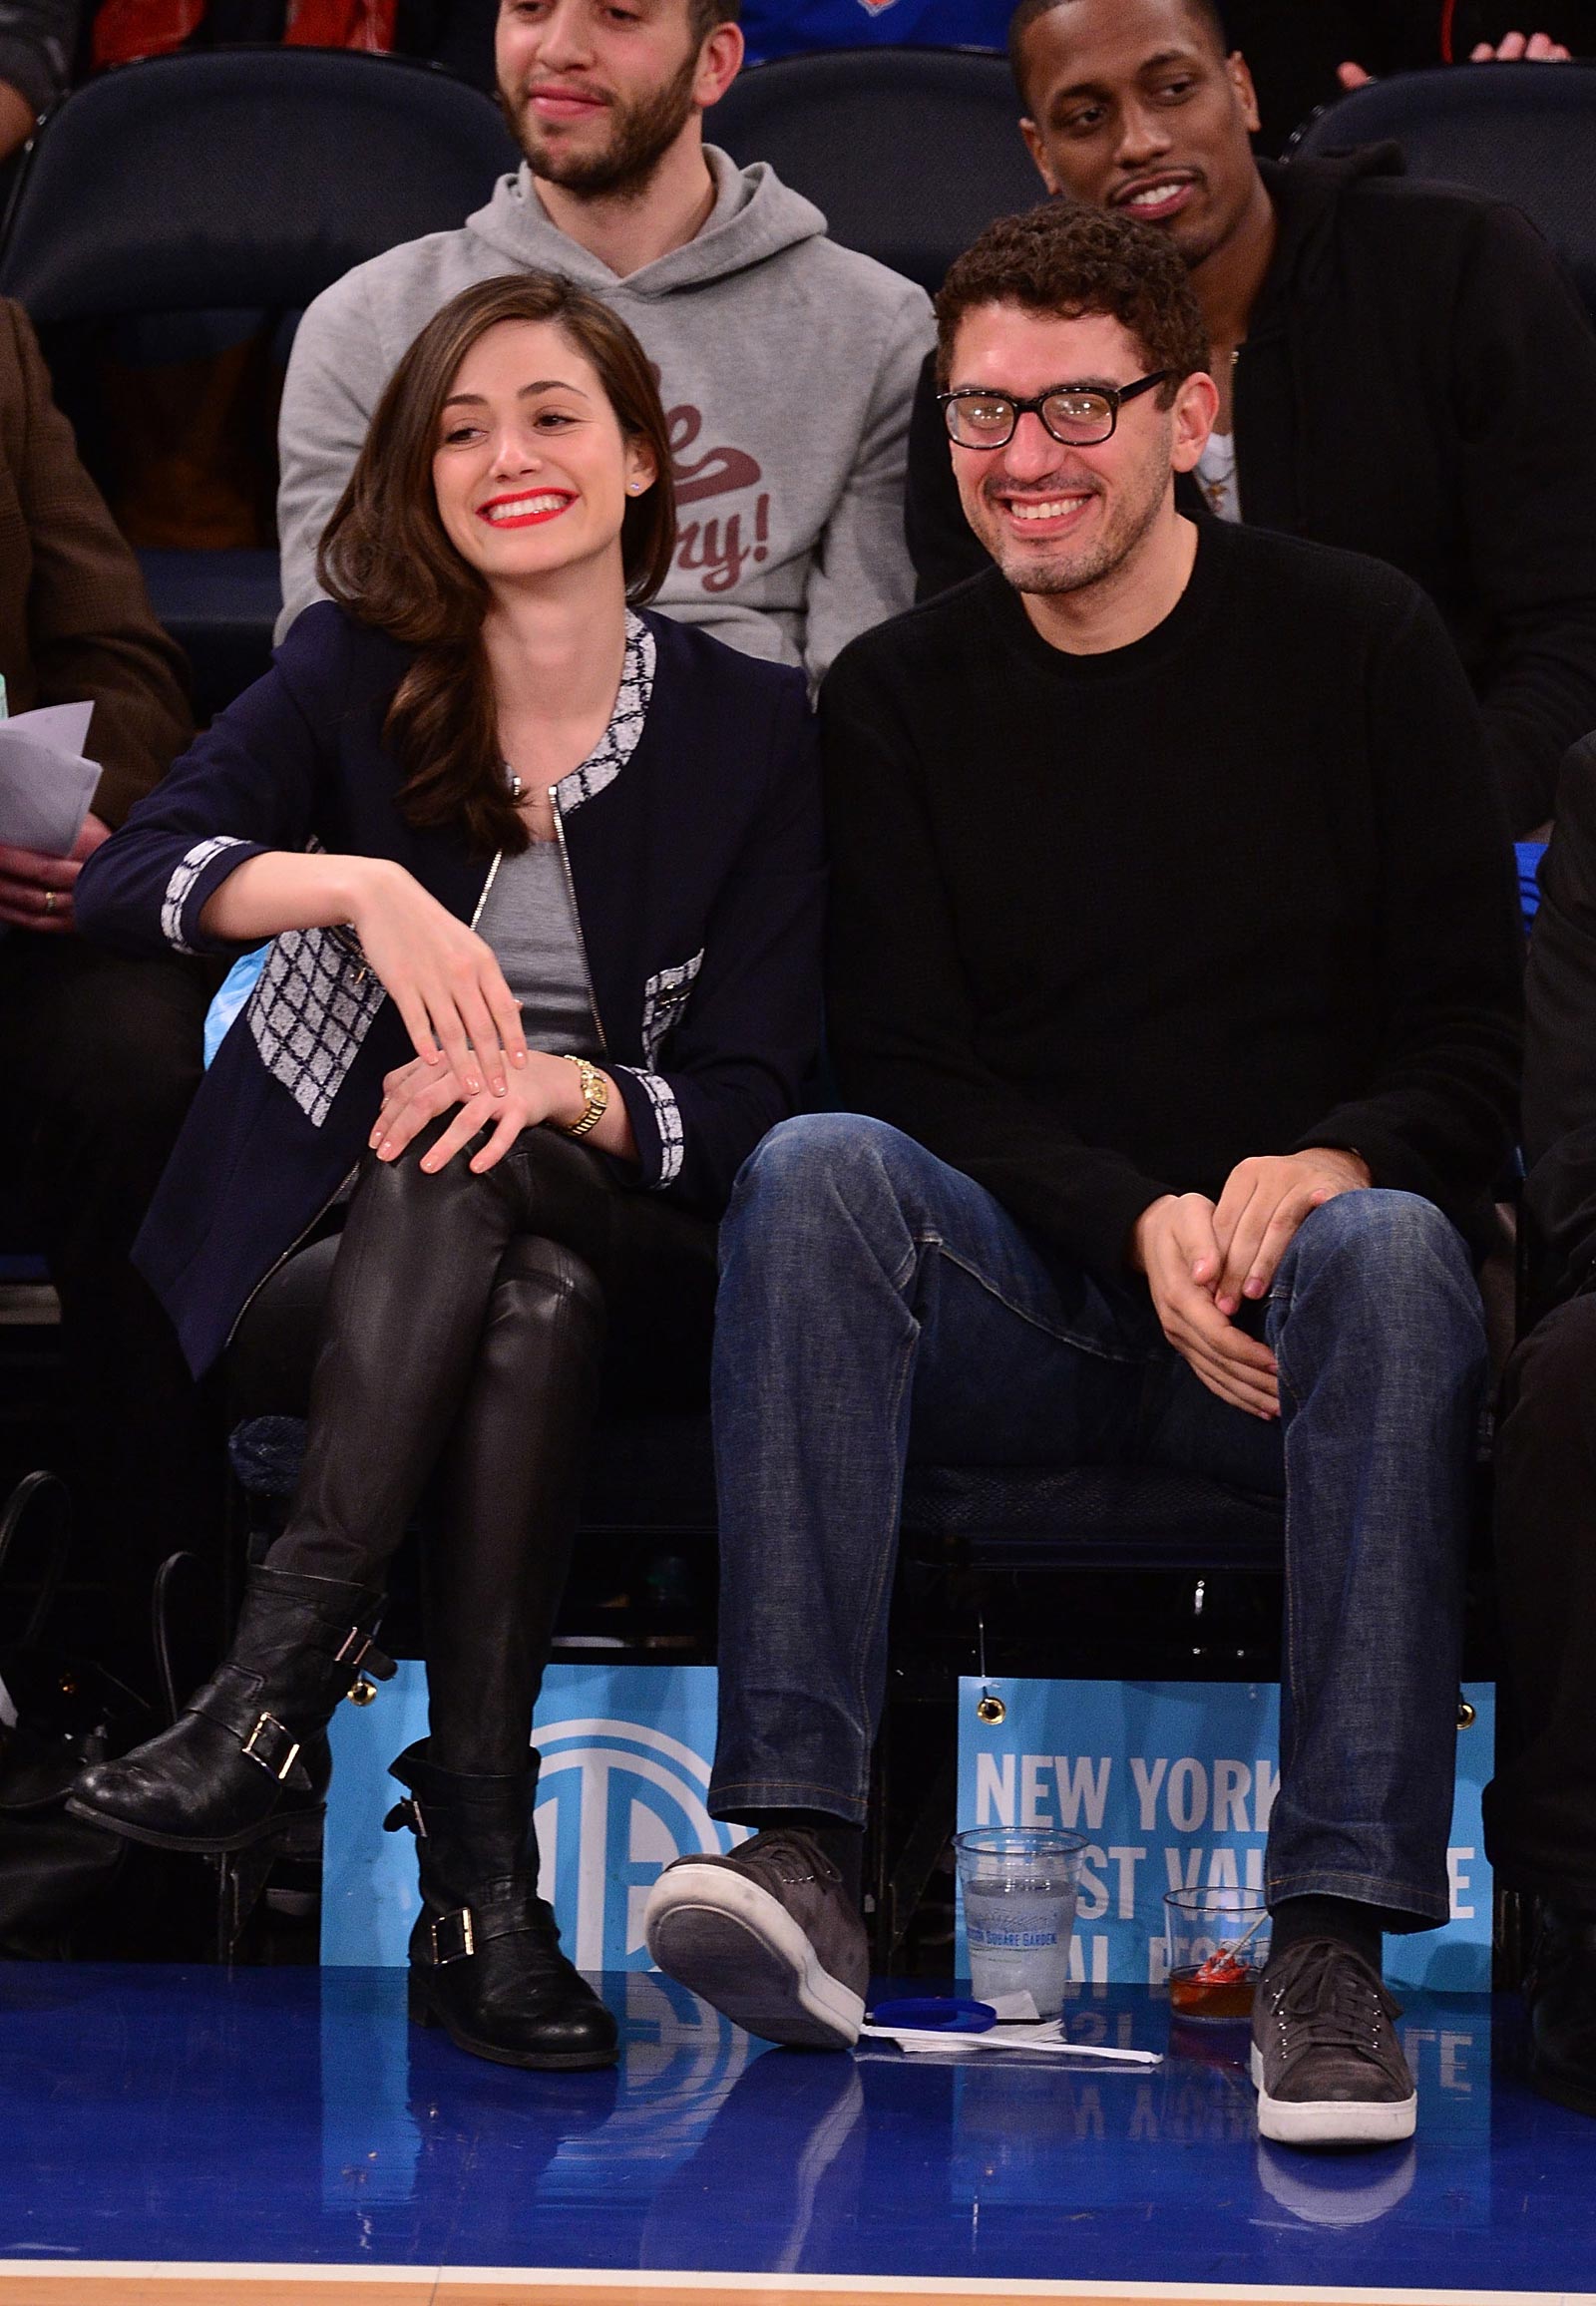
column 876, row 1306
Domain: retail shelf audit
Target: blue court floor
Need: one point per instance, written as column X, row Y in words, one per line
column 293, row 2116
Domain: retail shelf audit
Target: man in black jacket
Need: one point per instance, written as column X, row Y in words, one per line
column 1541, row 1813
column 1174, row 960
column 1403, row 369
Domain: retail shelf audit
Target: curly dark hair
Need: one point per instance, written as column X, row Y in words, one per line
column 1063, row 259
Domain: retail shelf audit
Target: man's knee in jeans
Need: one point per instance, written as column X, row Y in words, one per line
column 1397, row 1246
column 1385, row 1230
column 818, row 1164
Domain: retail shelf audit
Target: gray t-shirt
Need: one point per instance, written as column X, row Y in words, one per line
column 528, row 919
column 529, row 911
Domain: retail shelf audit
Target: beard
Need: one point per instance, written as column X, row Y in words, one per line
column 1069, row 567
column 640, row 133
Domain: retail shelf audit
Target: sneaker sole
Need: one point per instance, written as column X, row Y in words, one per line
column 726, row 1939
column 1331, row 2121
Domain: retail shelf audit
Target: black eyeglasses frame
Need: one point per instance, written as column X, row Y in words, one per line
column 1115, row 395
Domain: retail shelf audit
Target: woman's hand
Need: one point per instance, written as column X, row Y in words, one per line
column 443, row 980
column 413, row 1097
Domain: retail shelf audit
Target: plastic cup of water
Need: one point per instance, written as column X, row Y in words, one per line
column 1216, row 1942
column 1020, row 1888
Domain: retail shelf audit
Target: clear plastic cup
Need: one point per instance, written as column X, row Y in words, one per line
column 1019, row 1888
column 1212, row 1974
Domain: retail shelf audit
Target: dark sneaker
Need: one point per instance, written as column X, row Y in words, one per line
column 768, row 1937
column 1327, row 2063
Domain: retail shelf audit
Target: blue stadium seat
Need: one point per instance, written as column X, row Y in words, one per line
column 1515, row 132
column 909, row 152
column 235, row 182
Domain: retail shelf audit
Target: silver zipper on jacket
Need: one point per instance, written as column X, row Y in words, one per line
column 565, row 859
column 493, row 872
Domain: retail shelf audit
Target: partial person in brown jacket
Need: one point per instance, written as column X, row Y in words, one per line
column 102, row 1055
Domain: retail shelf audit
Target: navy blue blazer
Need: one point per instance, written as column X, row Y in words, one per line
column 698, row 879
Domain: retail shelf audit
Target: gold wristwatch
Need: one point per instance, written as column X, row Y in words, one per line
column 595, row 1089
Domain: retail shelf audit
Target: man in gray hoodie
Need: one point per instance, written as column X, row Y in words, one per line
column 787, row 364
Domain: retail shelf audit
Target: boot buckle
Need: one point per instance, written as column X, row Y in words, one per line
column 463, row 1940
column 360, row 1650
column 264, row 1747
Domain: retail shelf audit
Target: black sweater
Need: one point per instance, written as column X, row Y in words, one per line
column 1104, row 926
column 1418, row 382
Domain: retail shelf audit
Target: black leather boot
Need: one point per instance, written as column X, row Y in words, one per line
column 1560, row 1992
column 485, row 1959
column 250, row 1750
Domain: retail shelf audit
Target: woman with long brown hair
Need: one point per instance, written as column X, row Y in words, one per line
column 540, row 874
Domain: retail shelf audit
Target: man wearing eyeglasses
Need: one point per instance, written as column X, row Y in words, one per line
column 1402, row 368
column 1174, row 986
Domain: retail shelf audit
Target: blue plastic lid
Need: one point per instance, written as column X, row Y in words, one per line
column 943, row 2014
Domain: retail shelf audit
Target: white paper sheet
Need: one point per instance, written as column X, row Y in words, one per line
column 1044, row 2040
column 46, row 785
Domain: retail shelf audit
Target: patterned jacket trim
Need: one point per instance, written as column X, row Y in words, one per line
column 313, row 1006
column 667, row 1120
column 183, row 882
column 663, row 997
column 620, row 739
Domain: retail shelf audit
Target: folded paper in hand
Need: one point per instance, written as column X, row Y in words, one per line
column 46, row 785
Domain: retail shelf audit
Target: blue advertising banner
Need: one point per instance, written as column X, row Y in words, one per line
column 625, row 1768
column 1173, row 1784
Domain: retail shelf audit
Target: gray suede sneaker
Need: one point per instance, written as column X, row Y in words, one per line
column 768, row 1937
column 1325, row 2063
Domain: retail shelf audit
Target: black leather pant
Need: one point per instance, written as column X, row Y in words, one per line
column 470, row 1327
column 1540, row 1810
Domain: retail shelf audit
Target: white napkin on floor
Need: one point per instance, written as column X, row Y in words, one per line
column 1018, row 2027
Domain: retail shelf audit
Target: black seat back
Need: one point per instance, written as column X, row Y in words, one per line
column 1524, row 132
column 909, row 152
column 181, row 207
column 241, row 179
